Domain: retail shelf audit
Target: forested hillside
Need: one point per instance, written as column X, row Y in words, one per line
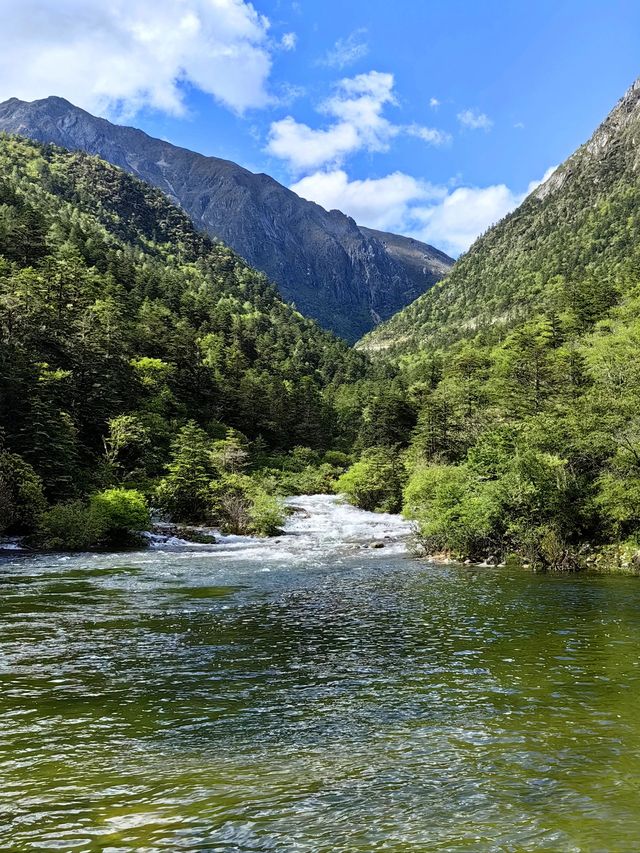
column 572, row 247
column 132, row 347
column 345, row 277
column 523, row 370
column 141, row 364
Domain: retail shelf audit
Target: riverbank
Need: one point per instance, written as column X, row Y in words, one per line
column 621, row 559
column 326, row 521
column 307, row 692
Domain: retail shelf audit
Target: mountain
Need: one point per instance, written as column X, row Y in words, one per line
column 420, row 260
column 522, row 368
column 573, row 242
column 121, row 326
column 347, row 278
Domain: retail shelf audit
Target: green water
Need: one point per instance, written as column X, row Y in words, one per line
column 317, row 698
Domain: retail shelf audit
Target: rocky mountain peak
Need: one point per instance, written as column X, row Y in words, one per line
column 346, row 277
column 619, row 131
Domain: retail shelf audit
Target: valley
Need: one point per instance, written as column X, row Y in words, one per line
column 343, row 276
column 312, row 538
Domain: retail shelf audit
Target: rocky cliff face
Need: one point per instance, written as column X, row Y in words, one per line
column 614, row 148
column 421, row 261
column 346, row 277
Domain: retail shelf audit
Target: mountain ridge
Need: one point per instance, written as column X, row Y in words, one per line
column 560, row 236
column 322, row 261
column 524, row 369
column 112, row 304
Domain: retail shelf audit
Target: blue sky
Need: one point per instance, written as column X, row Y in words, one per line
column 429, row 118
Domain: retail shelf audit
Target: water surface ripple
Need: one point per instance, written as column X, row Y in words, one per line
column 312, row 694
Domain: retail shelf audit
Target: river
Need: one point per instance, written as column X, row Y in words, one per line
column 312, row 694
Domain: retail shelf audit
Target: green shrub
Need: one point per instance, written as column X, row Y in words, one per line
column 300, row 458
column 492, row 504
column 291, row 479
column 71, row 527
column 111, row 518
column 271, row 480
column 618, row 500
column 455, row 511
column 239, row 504
column 229, row 503
column 266, row 514
column 312, row 480
column 337, row 459
column 21, row 496
column 375, row 482
column 120, row 511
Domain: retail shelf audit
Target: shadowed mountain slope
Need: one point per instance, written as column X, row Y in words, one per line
column 345, row 277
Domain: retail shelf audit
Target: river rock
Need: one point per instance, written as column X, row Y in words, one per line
column 291, row 509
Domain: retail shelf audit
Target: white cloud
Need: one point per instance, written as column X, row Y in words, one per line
column 466, row 212
column 360, row 99
column 455, row 222
column 434, row 103
column 429, row 134
column 123, row 55
column 305, row 148
column 449, row 219
column 356, row 108
column 475, row 120
column 346, row 51
column 288, row 41
column 376, row 202
column 357, row 105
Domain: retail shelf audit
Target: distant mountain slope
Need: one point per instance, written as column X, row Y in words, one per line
column 346, row 278
column 112, row 304
column 421, row 261
column 573, row 243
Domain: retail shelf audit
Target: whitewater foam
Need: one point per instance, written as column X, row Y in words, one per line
column 318, row 526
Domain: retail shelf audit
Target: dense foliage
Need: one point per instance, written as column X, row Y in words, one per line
column 130, row 345
column 523, row 371
column 110, row 518
column 531, row 444
column 375, row 481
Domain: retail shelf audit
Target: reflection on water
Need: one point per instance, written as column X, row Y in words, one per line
column 312, row 694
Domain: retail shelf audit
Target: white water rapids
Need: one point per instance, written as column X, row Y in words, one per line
column 321, row 528
column 322, row 531
column 312, row 693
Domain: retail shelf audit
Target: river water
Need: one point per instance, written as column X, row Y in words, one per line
column 312, row 694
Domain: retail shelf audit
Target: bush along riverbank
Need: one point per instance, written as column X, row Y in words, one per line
column 228, row 484
column 505, row 506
